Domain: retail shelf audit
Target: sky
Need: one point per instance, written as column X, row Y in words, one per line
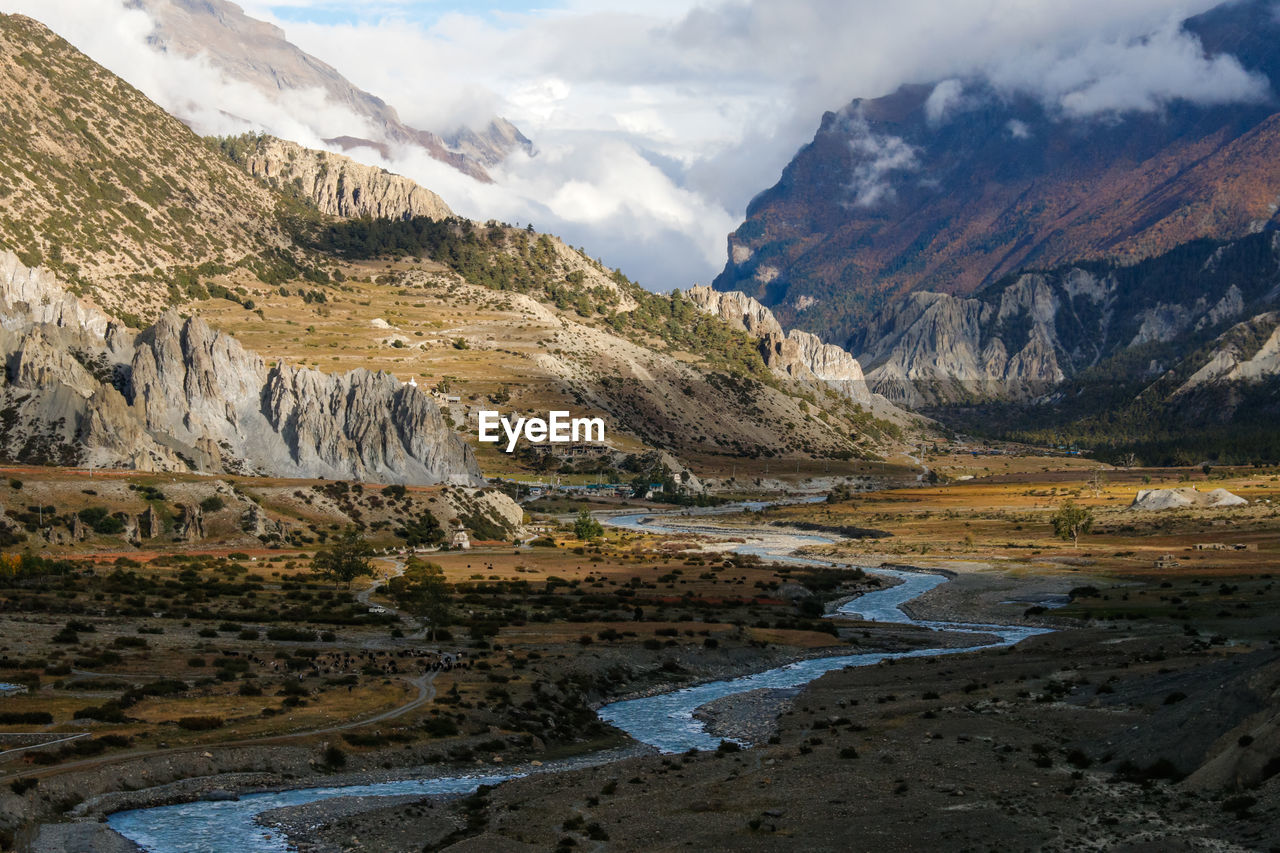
column 655, row 123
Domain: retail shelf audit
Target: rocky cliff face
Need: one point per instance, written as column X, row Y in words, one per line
column 491, row 145
column 78, row 389
column 339, row 186
column 1027, row 335
column 934, row 347
column 794, row 355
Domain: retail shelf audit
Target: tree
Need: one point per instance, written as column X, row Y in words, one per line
column 349, row 558
column 1097, row 482
column 423, row 591
column 1071, row 521
column 587, row 527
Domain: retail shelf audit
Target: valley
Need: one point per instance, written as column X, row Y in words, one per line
column 946, row 518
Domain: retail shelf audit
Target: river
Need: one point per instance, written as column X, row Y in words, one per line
column 664, row 721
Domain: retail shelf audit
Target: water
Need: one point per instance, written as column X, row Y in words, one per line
column 664, row 721
column 207, row 827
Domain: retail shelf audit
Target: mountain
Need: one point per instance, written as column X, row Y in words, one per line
column 1174, row 356
column 257, row 53
column 794, row 355
column 897, row 194
column 1027, row 334
column 345, row 266
column 80, row 389
column 114, row 195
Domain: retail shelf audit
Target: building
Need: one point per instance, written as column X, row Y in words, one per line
column 459, row 539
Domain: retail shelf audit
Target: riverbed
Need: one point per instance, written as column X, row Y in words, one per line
column 664, row 721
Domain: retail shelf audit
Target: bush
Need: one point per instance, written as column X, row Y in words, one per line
column 440, row 727
column 108, row 712
column 200, row 724
column 334, row 756
column 21, row 786
column 25, row 718
column 213, row 503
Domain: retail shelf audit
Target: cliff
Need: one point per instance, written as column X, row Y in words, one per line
column 338, row 185
column 793, row 355
column 79, row 389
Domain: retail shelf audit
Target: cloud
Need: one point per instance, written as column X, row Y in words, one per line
column 1018, row 129
column 946, row 98
column 1128, row 74
column 656, row 123
column 877, row 157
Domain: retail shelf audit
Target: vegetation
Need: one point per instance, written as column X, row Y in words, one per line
column 1072, row 521
column 508, row 259
column 586, row 527
column 347, row 559
column 423, row 591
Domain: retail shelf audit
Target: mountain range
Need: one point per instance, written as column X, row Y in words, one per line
column 137, row 260
column 1092, row 276
column 998, row 183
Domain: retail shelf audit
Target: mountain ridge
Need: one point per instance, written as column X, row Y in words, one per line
column 259, row 54
column 1002, row 186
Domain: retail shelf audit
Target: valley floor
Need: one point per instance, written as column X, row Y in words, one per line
column 1147, row 720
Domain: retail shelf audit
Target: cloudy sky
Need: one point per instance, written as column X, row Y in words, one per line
column 656, row 122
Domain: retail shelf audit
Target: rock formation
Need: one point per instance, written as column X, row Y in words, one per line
column 149, row 526
column 255, row 522
column 79, row 389
column 934, row 347
column 338, row 185
column 190, row 523
column 1185, row 496
column 794, row 355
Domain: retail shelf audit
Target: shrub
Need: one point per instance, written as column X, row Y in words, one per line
column 200, row 724
column 213, row 503
column 25, row 718
column 440, row 727
column 334, row 756
column 108, row 712
column 21, row 786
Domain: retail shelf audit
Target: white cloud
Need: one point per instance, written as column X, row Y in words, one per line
column 878, row 156
column 1018, row 129
column 946, row 98
column 657, row 122
column 1127, row 74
